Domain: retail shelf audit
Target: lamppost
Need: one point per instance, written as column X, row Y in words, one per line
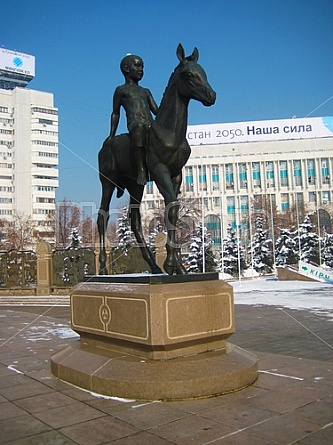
column 272, row 217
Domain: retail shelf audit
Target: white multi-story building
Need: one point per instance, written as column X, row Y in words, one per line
column 234, row 165
column 28, row 143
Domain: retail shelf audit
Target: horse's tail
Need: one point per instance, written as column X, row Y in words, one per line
column 108, row 165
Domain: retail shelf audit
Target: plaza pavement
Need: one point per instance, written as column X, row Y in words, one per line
column 291, row 402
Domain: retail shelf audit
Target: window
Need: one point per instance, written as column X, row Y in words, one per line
column 44, row 110
column 230, row 204
column 45, row 121
column 244, row 204
column 311, row 171
column 325, row 171
column 45, row 200
column 297, row 172
column 43, row 188
column 47, row 143
column 313, row 197
column 284, row 201
column 189, row 179
column 283, row 173
column 270, row 180
column 229, row 176
column 3, row 131
column 257, row 203
column 47, row 154
column 213, row 225
column 215, row 177
column 326, row 197
column 202, row 177
column 300, row 200
column 242, row 175
column 149, row 187
column 256, row 174
column 45, row 132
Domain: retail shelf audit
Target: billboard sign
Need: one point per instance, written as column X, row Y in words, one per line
column 15, row 62
column 255, row 131
column 315, row 272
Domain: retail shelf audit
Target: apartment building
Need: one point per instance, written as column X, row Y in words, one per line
column 28, row 142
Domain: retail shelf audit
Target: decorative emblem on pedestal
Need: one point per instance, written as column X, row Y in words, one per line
column 105, row 315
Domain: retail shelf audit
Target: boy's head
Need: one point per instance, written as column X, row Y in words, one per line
column 129, row 62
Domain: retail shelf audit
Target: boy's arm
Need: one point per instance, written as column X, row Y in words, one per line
column 152, row 104
column 115, row 115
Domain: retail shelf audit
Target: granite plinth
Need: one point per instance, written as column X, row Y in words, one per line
column 154, row 341
column 156, row 321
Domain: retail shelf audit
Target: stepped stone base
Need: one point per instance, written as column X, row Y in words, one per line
column 158, row 338
column 122, row 375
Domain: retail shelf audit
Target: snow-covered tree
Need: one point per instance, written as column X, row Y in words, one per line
column 232, row 255
column 194, row 259
column 262, row 249
column 152, row 236
column 308, row 242
column 75, row 238
column 327, row 249
column 124, row 234
column 285, row 248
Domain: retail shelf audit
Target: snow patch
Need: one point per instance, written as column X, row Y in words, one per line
column 302, row 295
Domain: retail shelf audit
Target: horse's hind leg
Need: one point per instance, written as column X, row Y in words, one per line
column 102, row 222
column 173, row 263
column 136, row 226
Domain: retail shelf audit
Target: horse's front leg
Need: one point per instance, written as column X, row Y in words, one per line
column 102, row 222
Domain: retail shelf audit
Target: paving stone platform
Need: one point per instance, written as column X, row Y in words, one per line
column 291, row 402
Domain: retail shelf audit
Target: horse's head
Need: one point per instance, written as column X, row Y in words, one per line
column 193, row 79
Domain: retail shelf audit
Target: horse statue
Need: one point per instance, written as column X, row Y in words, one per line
column 167, row 152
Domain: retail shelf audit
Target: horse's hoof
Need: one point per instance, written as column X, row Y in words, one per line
column 156, row 270
column 169, row 269
column 181, row 270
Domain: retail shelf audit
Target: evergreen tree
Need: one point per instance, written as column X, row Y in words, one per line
column 308, row 242
column 232, row 255
column 262, row 249
column 124, row 234
column 152, row 236
column 327, row 249
column 285, row 248
column 194, row 259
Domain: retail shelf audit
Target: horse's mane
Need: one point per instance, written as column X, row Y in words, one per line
column 173, row 75
column 171, row 81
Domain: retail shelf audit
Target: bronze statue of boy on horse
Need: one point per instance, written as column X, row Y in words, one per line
column 161, row 141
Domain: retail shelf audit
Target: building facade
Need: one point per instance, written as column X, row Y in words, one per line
column 28, row 145
column 233, row 166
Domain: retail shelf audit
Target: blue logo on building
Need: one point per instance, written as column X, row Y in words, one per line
column 328, row 122
column 18, row 62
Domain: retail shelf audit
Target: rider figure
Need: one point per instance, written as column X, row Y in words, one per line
column 138, row 103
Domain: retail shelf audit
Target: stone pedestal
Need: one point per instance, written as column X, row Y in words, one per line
column 44, row 268
column 154, row 337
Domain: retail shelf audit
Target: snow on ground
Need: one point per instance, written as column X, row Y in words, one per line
column 44, row 330
column 316, row 297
